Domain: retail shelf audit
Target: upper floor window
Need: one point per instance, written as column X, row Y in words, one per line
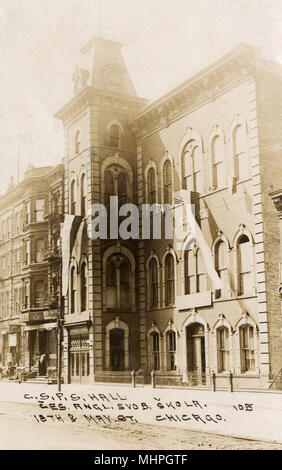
column 239, row 150
column 222, row 349
column 217, row 155
column 192, row 166
column 153, row 283
column 39, row 210
column 39, row 293
column 77, row 142
column 116, row 184
column 83, row 195
column 151, row 187
column 115, row 135
column 27, row 212
column 39, row 250
column 83, row 287
column 200, row 272
column 72, row 198
column 167, row 182
column 247, row 348
column 244, row 263
column 194, row 272
column 169, row 280
column 221, row 266
column 113, row 81
column 118, row 289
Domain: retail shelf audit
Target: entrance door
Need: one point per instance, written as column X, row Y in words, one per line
column 196, row 353
column 117, row 353
column 79, row 359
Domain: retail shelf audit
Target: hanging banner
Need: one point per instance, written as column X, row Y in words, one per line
column 66, row 235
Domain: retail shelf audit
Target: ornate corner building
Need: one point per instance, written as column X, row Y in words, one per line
column 153, row 304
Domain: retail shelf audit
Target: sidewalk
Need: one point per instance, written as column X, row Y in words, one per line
column 238, row 414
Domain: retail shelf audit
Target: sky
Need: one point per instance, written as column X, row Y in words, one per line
column 165, row 42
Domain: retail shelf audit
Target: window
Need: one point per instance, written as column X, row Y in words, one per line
column 167, row 175
column 72, row 198
column 26, row 295
column 115, row 135
column 113, row 81
column 116, row 184
column 72, row 290
column 245, row 263
column 39, row 250
column 189, row 272
column 221, row 265
column 39, row 293
column 77, row 142
column 39, row 210
column 151, row 186
column 155, row 341
column 222, row 349
column 27, row 251
column 169, row 279
column 239, row 150
column 27, row 212
column 192, row 166
column 83, row 287
column 153, row 283
column 171, row 350
column 247, row 348
column 83, row 195
column 118, row 288
column 217, row 154
column 201, row 275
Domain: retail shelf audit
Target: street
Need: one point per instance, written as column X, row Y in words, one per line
column 20, row 430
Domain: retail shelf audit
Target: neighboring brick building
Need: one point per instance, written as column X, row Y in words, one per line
column 30, row 278
column 150, row 304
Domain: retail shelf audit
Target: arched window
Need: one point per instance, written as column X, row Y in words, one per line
column 192, row 166
column 109, row 185
column 244, row 263
column 116, row 184
column 77, row 142
column 151, row 186
column 155, row 348
column 201, row 275
column 222, row 336
column 239, row 150
column 247, row 349
column 153, row 283
column 83, row 195
column 171, row 350
column 83, row 287
column 189, row 272
column 72, row 198
column 72, row 290
column 115, row 136
column 169, row 280
column 118, row 288
column 221, row 266
column 217, row 155
column 167, row 186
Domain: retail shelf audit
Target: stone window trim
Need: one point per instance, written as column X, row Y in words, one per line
column 83, row 260
column 151, row 165
column 73, row 266
column 154, row 329
column 117, row 323
column 169, row 250
column 170, row 327
column 216, row 132
column 222, row 322
column 243, row 230
column 83, row 172
column 195, row 250
column 119, row 249
column 147, row 269
column 119, row 161
column 194, row 317
column 246, row 319
column 227, row 291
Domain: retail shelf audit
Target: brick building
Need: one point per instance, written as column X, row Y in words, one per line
column 30, row 273
column 151, row 304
